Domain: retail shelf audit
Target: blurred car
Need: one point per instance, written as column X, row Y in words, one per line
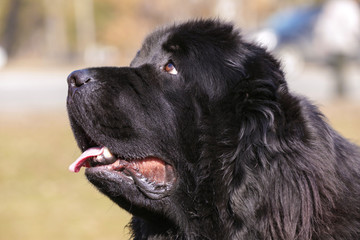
column 313, row 33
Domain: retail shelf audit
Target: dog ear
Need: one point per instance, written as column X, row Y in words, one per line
column 256, row 96
column 256, row 100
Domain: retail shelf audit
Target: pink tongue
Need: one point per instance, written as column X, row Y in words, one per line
column 91, row 152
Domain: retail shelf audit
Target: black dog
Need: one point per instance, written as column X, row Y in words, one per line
column 200, row 138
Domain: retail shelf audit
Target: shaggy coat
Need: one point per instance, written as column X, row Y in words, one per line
column 208, row 142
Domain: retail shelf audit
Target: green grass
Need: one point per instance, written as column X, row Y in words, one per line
column 40, row 199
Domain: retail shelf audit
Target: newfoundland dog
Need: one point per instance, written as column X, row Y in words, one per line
column 200, row 138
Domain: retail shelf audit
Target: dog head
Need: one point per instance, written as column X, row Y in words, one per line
column 161, row 137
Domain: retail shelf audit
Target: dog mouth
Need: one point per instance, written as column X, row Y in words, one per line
column 152, row 175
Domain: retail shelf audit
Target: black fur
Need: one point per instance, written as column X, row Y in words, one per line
column 252, row 160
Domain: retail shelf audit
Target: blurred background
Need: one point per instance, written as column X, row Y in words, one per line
column 42, row 41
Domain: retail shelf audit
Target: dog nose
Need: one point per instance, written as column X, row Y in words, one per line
column 78, row 78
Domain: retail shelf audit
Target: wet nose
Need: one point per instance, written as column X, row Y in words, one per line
column 78, row 78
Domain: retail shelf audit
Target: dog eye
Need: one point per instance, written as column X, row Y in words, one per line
column 170, row 68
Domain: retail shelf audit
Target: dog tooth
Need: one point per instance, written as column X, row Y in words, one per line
column 99, row 158
column 107, row 154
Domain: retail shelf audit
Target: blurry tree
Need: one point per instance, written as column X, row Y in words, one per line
column 85, row 30
column 21, row 32
column 11, row 23
column 55, row 29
